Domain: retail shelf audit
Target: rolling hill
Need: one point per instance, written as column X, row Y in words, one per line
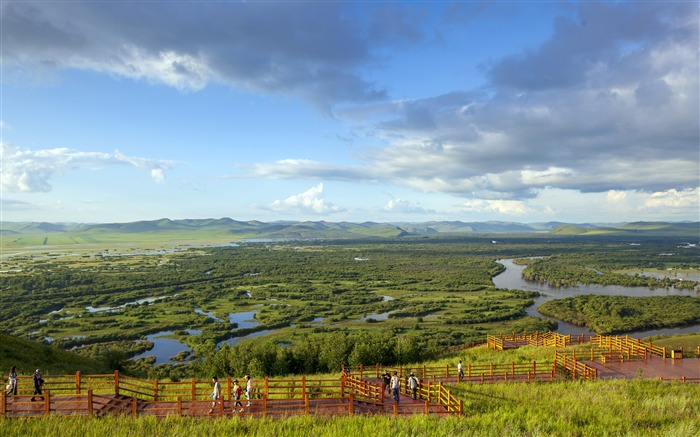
column 230, row 230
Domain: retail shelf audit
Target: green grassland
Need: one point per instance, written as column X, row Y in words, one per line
column 639, row 407
column 629, row 408
column 28, row 355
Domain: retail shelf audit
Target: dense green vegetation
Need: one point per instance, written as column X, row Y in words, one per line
column 613, row 266
column 613, row 314
column 320, row 303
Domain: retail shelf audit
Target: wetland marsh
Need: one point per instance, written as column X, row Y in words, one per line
column 428, row 293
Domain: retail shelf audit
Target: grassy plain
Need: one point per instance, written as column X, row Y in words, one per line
column 566, row 408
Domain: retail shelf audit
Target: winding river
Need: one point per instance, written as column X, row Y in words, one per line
column 512, row 278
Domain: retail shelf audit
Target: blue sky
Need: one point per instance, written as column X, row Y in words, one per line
column 350, row 111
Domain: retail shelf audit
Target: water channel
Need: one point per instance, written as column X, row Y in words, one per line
column 512, row 278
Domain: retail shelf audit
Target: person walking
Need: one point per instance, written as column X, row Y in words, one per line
column 395, row 386
column 248, row 390
column 460, row 371
column 12, row 381
column 413, row 384
column 38, row 385
column 386, row 381
column 237, row 392
column 216, row 394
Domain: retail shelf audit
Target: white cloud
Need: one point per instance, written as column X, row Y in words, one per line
column 505, row 207
column 311, row 50
column 33, row 170
column 404, row 206
column 674, row 199
column 310, row 201
column 616, row 196
column 158, row 175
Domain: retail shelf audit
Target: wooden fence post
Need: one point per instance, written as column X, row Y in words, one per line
column 342, row 385
column 307, row 406
column 116, row 382
column 179, row 406
column 134, row 407
column 155, row 390
column 89, row 402
column 303, row 386
column 351, row 404
column 77, row 382
column 264, row 399
column 3, row 405
column 194, row 389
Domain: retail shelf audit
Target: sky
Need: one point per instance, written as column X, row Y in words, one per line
column 385, row 111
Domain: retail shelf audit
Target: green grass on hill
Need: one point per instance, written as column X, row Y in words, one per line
column 28, row 355
column 565, row 408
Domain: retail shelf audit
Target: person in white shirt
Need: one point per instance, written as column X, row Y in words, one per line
column 216, row 394
column 460, row 372
column 413, row 384
column 395, row 386
column 248, row 389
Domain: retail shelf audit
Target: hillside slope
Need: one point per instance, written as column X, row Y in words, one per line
column 28, row 355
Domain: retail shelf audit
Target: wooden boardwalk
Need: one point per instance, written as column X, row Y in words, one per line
column 651, row 367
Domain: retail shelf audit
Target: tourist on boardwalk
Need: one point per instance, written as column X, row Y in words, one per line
column 386, row 381
column 38, row 385
column 248, row 389
column 460, row 371
column 216, row 394
column 395, row 386
column 413, row 384
column 12, row 382
column 237, row 392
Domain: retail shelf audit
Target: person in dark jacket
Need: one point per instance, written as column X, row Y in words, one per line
column 38, row 385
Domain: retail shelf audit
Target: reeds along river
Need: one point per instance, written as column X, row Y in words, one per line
column 512, row 278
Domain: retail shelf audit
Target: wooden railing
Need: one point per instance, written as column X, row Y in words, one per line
column 120, row 394
column 374, row 397
column 578, row 369
column 502, row 342
column 525, row 371
column 639, row 347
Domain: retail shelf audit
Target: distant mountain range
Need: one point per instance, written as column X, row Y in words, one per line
column 227, row 229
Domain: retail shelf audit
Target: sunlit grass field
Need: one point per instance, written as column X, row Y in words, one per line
column 565, row 408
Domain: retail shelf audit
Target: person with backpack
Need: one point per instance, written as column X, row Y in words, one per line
column 413, row 384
